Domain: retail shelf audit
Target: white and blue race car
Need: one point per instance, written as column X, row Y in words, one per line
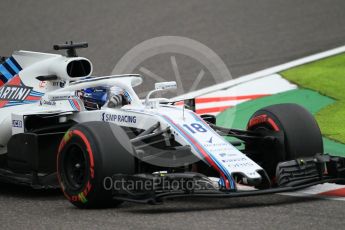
column 99, row 142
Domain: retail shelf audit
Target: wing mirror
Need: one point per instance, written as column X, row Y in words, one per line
column 165, row 85
column 160, row 86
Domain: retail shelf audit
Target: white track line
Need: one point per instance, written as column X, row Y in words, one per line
column 268, row 85
column 261, row 73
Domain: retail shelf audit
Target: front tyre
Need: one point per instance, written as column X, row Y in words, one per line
column 88, row 154
column 301, row 136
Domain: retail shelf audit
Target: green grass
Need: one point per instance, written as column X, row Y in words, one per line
column 237, row 117
column 327, row 77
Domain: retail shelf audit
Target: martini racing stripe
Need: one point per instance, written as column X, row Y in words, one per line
column 74, row 104
column 16, row 64
column 9, row 68
column 15, row 67
column 3, row 79
column 229, row 181
column 5, row 72
column 3, row 104
column 15, row 103
column 36, row 94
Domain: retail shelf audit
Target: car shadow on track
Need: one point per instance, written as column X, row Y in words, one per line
column 177, row 205
column 19, row 191
column 198, row 205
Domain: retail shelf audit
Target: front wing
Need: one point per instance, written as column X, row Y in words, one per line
column 291, row 176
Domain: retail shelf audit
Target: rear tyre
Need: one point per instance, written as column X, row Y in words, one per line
column 299, row 132
column 88, row 154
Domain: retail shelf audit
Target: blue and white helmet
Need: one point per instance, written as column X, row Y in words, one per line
column 95, row 98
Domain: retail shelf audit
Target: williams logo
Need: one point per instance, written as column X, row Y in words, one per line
column 14, row 93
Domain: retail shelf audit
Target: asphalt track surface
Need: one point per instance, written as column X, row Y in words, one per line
column 247, row 35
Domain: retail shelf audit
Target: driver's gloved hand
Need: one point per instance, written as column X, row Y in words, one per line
column 115, row 101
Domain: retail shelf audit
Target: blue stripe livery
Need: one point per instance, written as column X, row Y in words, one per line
column 9, row 69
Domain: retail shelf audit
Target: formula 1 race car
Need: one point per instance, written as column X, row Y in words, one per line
column 94, row 138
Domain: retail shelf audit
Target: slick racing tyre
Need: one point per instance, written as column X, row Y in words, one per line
column 89, row 153
column 297, row 129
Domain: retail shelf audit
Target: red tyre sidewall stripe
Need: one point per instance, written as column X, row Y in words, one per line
column 262, row 119
column 273, row 124
column 88, row 146
column 80, row 134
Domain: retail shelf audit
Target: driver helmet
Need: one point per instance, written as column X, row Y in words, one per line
column 95, row 98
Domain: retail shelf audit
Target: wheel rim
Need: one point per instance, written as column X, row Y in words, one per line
column 75, row 167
